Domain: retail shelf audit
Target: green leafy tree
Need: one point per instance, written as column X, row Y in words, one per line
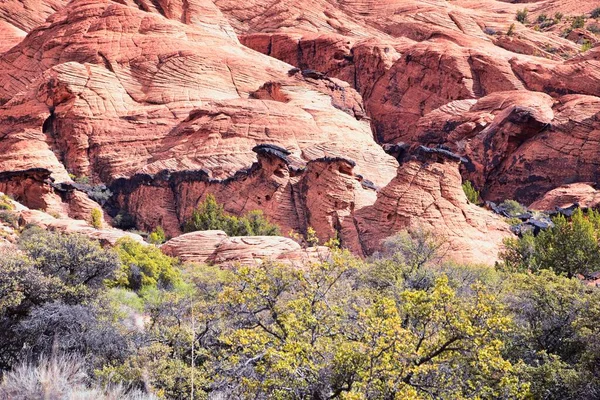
column 324, row 332
column 570, row 247
column 144, row 266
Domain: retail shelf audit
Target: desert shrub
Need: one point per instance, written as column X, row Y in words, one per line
column 542, row 18
column 578, row 22
column 471, row 193
column 5, row 203
column 587, row 45
column 65, row 270
column 547, row 23
column 511, row 30
column 558, row 16
column 9, row 218
column 157, row 236
column 59, row 377
column 570, row 247
column 74, row 259
column 513, row 222
column 553, row 334
column 595, row 13
column 260, row 225
column 522, row 15
column 145, row 266
column 84, row 180
column 594, row 28
column 513, row 208
column 96, row 218
column 210, row 215
column 87, row 329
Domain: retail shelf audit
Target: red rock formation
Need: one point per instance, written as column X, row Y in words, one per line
column 412, row 61
column 330, row 197
column 520, row 144
column 159, row 100
column 87, row 107
column 427, row 194
column 584, row 194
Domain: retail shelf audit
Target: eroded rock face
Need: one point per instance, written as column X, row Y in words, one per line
column 422, row 67
column 583, row 194
column 160, row 101
column 329, row 196
column 520, row 145
column 427, row 194
column 78, row 102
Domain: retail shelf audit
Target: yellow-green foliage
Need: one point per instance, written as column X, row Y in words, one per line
column 297, row 326
column 405, row 325
column 587, row 45
column 471, row 193
column 209, row 215
column 513, row 208
column 5, row 203
column 145, row 266
column 157, row 236
column 96, row 216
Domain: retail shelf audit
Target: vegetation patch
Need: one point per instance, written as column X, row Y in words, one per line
column 471, row 193
column 210, row 215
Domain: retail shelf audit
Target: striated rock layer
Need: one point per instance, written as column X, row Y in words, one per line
column 417, row 63
column 330, row 197
column 161, row 102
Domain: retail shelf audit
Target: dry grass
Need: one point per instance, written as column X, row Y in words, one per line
column 59, row 378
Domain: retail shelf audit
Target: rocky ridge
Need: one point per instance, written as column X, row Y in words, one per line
column 150, row 105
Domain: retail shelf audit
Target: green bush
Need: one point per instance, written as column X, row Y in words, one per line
column 513, row 208
column 578, row 22
column 471, row 193
column 594, row 28
column 96, row 217
column 157, row 236
column 209, row 215
column 5, row 203
column 558, row 16
column 522, row 15
column 542, row 18
column 145, row 266
column 9, row 218
column 587, row 45
column 570, row 247
column 595, row 13
column 48, row 292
